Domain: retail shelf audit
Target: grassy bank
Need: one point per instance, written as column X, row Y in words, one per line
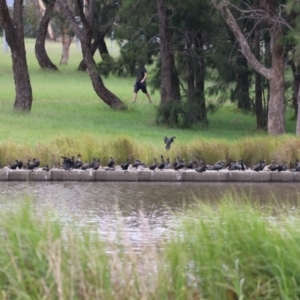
column 234, row 252
column 68, row 118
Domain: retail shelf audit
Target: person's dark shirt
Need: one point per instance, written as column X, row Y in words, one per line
column 140, row 73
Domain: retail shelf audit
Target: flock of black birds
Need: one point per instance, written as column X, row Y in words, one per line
column 177, row 164
column 70, row 163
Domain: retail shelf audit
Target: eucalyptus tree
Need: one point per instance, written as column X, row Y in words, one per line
column 267, row 12
column 14, row 33
column 102, row 22
column 84, row 33
column 40, row 50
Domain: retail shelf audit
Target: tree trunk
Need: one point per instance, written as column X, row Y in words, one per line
column 276, row 123
column 259, row 111
column 15, row 38
column 85, row 38
column 276, row 120
column 296, row 72
column 66, row 41
column 98, row 43
column 102, row 47
column 199, row 76
column 40, row 51
column 165, row 54
column 242, row 88
column 49, row 27
column 298, row 113
column 190, row 78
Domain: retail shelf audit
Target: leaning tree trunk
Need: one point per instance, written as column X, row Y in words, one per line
column 40, row 51
column 98, row 43
column 42, row 8
column 14, row 33
column 85, row 38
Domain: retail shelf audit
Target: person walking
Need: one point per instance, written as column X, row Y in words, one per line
column 140, row 84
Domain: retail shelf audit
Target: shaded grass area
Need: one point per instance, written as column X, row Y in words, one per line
column 232, row 251
column 66, row 110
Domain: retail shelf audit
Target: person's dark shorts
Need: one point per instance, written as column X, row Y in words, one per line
column 140, row 86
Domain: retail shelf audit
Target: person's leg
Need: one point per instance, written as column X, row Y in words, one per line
column 144, row 90
column 149, row 98
column 134, row 97
column 135, row 91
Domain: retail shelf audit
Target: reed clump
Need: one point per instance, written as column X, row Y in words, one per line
column 235, row 250
column 283, row 149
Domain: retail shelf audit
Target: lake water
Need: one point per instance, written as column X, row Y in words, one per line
column 103, row 205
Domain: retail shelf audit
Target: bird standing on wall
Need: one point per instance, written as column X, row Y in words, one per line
column 78, row 162
column 154, row 165
column 168, row 141
column 97, row 164
column 31, row 165
column 167, row 164
column 14, row 165
column 162, row 164
column 111, row 162
column 85, row 166
column 260, row 166
column 125, row 165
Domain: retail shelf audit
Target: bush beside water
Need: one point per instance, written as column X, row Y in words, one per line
column 237, row 251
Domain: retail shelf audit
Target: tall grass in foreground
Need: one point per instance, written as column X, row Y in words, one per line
column 234, row 252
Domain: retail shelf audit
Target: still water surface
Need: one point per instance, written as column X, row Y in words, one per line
column 103, row 205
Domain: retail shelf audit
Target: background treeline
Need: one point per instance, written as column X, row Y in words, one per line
column 243, row 51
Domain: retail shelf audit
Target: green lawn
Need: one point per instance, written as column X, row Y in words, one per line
column 65, row 105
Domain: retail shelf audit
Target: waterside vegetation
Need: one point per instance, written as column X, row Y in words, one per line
column 228, row 251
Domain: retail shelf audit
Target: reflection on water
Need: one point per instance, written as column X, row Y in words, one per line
column 100, row 203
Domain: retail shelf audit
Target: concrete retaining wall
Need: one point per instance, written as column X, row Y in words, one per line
column 149, row 176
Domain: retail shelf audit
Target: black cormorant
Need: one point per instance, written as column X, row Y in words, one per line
column 33, row 165
column 192, row 164
column 125, row 165
column 162, row 164
column 168, row 141
column 78, row 162
column 167, row 165
column 97, row 164
column 14, row 166
column 180, row 165
column 46, row 168
column 85, row 166
column 111, row 162
column 260, row 166
column 154, row 165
